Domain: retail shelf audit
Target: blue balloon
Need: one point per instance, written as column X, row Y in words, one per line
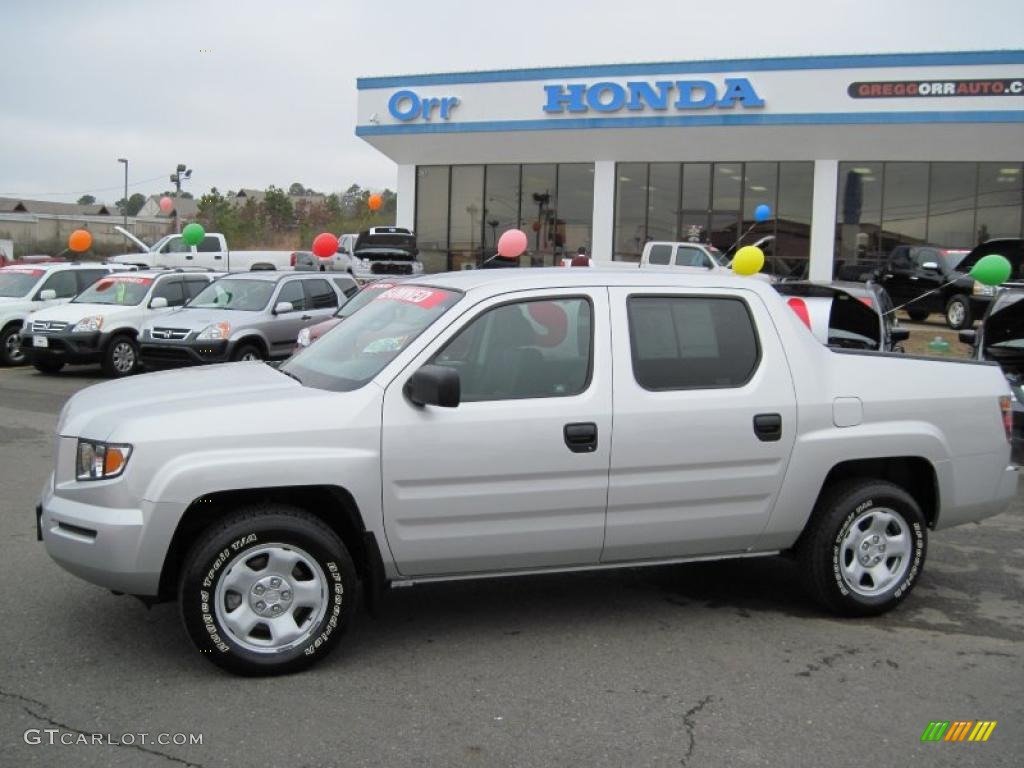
column 762, row 213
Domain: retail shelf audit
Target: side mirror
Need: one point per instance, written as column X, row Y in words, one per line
column 48, row 295
column 899, row 335
column 968, row 336
column 283, row 307
column 158, row 303
column 930, row 266
column 434, row 385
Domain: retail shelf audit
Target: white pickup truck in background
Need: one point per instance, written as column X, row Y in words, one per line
column 171, row 251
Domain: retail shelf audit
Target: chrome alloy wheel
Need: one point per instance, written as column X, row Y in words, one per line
column 876, row 551
column 14, row 353
column 122, row 357
column 271, row 598
column 248, row 356
column 956, row 314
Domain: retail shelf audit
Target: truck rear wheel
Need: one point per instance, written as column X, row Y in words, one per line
column 267, row 591
column 864, row 547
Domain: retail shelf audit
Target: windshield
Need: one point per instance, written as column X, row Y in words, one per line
column 1004, row 326
column 953, row 259
column 718, row 256
column 15, row 283
column 361, row 299
column 357, row 350
column 124, row 291
column 228, row 293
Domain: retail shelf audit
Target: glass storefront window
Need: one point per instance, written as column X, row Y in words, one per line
column 790, row 251
column 1000, row 200
column 951, row 204
column 905, row 201
column 728, row 187
column 432, row 216
column 576, row 205
column 630, row 210
column 859, row 209
column 501, row 204
column 465, row 230
column 663, row 201
column 537, row 216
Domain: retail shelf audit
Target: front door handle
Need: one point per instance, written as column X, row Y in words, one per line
column 581, row 437
column 768, row 427
column 307, row 317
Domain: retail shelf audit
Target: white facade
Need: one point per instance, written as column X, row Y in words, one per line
column 966, row 107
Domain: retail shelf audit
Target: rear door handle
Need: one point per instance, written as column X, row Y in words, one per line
column 581, row 437
column 768, row 427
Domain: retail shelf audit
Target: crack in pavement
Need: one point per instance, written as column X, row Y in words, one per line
column 690, row 725
column 24, row 700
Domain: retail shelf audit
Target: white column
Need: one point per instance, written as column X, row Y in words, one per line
column 823, row 218
column 604, row 210
column 406, row 213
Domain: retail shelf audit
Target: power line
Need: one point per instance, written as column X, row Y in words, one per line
column 87, row 191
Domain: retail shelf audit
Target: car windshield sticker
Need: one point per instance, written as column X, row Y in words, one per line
column 427, row 298
column 22, row 271
column 107, row 282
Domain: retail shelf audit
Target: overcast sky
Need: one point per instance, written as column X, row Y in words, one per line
column 273, row 101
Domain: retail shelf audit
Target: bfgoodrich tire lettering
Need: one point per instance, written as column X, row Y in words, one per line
column 284, row 555
column 864, row 547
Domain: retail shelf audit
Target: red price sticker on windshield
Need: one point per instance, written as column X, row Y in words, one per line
column 22, row 271
column 427, row 298
column 106, row 282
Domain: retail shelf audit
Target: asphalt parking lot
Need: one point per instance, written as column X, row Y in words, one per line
column 712, row 664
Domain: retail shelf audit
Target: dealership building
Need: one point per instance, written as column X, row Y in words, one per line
column 853, row 155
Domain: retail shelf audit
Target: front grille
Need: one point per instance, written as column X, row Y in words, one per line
column 391, row 268
column 166, row 354
column 48, row 326
column 173, row 334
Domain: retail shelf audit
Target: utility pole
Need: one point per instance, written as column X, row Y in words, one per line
column 181, row 173
column 125, row 161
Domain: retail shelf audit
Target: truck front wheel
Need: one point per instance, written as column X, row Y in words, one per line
column 958, row 312
column 864, row 547
column 267, row 591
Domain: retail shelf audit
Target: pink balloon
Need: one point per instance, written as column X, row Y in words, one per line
column 166, row 204
column 511, row 244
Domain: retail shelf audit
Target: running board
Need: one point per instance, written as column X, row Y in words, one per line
column 577, row 568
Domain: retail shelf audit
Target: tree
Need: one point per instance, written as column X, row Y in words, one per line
column 296, row 189
column 352, row 199
column 277, row 209
column 135, row 203
column 87, row 200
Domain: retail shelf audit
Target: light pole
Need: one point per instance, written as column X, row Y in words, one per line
column 125, row 161
column 180, row 174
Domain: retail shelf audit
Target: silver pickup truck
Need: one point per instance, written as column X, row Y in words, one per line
column 518, row 422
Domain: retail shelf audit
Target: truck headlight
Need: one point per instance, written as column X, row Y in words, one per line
column 215, row 331
column 980, row 289
column 88, row 324
column 303, row 340
column 417, row 267
column 100, row 461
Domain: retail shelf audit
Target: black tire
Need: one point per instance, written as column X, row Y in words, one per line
column 831, row 537
column 220, row 555
column 120, row 357
column 958, row 312
column 10, row 346
column 46, row 365
column 247, row 351
column 918, row 315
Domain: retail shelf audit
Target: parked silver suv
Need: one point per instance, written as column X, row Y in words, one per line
column 247, row 316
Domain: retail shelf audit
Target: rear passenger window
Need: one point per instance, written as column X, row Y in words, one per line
column 523, row 350
column 63, row 283
column 319, row 294
column 661, row 255
column 691, row 257
column 691, row 342
column 209, row 244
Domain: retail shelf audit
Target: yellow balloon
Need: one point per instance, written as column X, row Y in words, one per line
column 748, row 260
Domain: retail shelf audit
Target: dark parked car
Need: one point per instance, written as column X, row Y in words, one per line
column 846, row 314
column 1000, row 337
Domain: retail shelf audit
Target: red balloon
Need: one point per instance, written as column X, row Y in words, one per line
column 511, row 244
column 166, row 204
column 325, row 245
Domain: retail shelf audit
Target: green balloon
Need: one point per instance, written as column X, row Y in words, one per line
column 992, row 269
column 194, row 233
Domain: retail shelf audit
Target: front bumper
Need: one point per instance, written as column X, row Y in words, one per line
column 103, row 545
column 175, row 354
column 67, row 347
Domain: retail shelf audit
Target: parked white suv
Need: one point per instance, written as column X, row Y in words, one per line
column 510, row 422
column 102, row 324
column 28, row 288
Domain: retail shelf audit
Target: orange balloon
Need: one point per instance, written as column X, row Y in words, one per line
column 80, row 240
column 375, row 202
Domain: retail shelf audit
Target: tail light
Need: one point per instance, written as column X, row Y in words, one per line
column 800, row 307
column 293, row 258
column 1007, row 411
column 866, row 301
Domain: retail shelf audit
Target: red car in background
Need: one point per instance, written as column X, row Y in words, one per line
column 369, row 292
